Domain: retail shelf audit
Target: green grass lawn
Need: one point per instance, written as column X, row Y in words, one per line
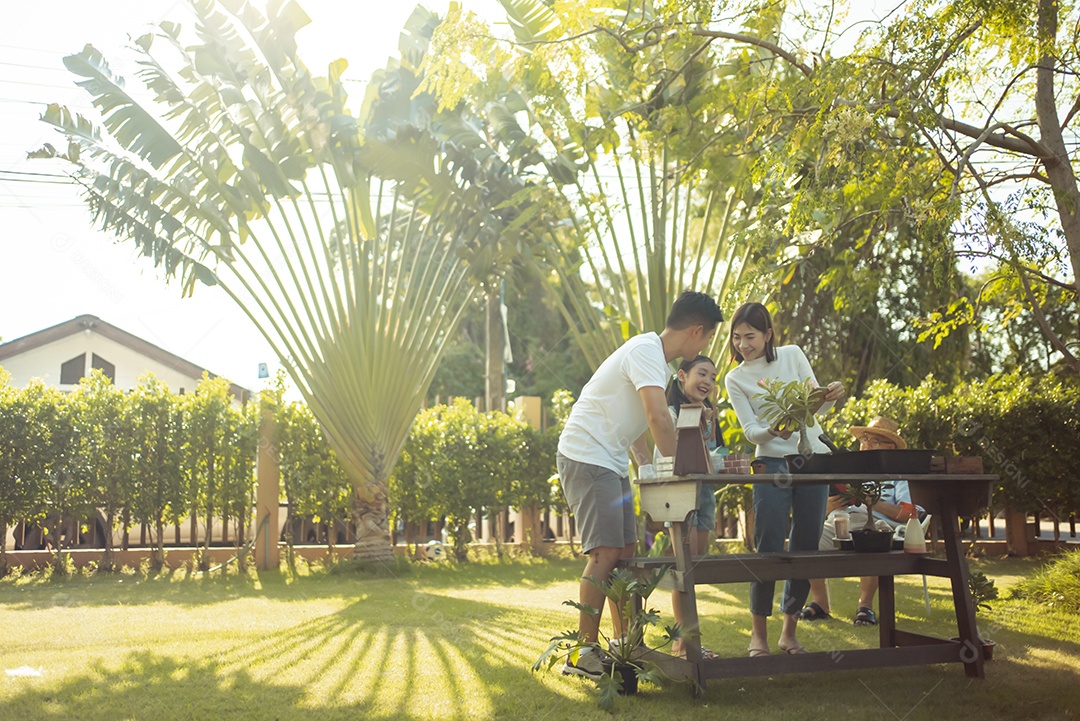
column 442, row 641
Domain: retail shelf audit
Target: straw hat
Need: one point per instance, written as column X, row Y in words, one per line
column 883, row 427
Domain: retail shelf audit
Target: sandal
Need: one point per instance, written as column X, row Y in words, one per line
column 865, row 617
column 813, row 612
column 757, row 652
column 795, row 649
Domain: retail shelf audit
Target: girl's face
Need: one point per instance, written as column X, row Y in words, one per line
column 699, row 382
column 749, row 341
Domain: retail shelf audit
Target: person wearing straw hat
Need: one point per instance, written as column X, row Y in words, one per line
column 894, row 509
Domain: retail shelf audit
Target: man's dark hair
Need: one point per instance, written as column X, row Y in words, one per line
column 692, row 308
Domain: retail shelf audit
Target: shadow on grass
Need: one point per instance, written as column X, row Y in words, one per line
column 424, row 657
column 341, row 581
column 149, row 685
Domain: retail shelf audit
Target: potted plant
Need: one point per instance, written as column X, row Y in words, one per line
column 629, row 665
column 982, row 590
column 791, row 407
column 868, row 538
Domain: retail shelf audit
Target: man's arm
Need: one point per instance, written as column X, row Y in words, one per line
column 639, row 451
column 656, row 413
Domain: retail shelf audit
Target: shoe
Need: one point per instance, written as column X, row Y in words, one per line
column 615, row 647
column 813, row 612
column 865, row 617
column 589, row 664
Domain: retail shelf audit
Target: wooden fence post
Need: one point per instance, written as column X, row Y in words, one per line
column 267, row 494
column 1016, row 532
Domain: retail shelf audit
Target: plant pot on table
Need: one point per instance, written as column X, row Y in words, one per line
column 869, row 540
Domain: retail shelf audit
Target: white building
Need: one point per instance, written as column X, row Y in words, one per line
column 66, row 352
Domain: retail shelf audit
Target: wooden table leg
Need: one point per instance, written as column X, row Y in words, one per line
column 886, row 612
column 971, row 647
column 687, row 599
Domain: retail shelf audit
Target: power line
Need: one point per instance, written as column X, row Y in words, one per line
column 35, row 67
column 38, row 85
column 27, row 172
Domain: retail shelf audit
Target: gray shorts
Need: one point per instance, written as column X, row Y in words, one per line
column 601, row 501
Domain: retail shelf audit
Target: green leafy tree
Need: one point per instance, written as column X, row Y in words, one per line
column 983, row 86
column 240, row 168
column 643, row 219
column 208, row 433
column 238, row 488
column 314, row 483
column 22, row 460
column 104, row 429
column 459, row 461
column 156, row 477
column 59, row 468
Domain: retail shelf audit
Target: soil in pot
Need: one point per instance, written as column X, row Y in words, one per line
column 629, row 677
column 871, row 540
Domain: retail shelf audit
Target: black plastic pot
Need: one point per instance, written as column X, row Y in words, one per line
column 871, row 540
column 814, row 463
column 882, row 460
column 629, row 677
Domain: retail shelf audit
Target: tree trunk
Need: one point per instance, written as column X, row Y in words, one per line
column 107, row 559
column 372, row 517
column 158, row 558
column 1058, row 168
column 495, row 373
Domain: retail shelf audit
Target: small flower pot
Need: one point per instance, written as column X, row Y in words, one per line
column 871, row 540
column 628, row 674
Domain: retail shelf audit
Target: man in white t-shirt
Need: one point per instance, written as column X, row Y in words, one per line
column 624, row 397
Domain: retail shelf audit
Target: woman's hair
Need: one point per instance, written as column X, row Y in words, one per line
column 676, row 396
column 757, row 317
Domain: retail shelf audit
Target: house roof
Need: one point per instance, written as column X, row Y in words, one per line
column 107, row 330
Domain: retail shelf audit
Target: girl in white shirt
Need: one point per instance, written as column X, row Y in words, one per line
column 752, row 346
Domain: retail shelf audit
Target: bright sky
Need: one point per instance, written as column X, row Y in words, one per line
column 53, row 264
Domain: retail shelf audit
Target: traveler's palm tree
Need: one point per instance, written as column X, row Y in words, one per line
column 346, row 247
column 656, row 205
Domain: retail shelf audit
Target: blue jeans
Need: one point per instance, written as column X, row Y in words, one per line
column 774, row 504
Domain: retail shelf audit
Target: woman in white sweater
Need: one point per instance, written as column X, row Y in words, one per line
column 752, row 346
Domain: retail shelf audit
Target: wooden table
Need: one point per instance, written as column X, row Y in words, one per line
column 947, row 496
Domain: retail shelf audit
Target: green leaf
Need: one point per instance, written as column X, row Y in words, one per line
column 132, row 126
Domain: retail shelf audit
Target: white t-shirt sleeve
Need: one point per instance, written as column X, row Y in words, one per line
column 645, row 367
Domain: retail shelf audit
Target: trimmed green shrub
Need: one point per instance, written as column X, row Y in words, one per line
column 1027, row 430
column 1057, row 585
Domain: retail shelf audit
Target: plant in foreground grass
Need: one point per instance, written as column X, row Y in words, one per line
column 629, row 653
column 1057, row 585
column 982, row 590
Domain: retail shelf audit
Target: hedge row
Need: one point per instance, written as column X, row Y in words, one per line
column 1027, row 430
column 459, row 461
column 143, row 457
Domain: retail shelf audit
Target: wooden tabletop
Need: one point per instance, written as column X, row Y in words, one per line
column 816, row 478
